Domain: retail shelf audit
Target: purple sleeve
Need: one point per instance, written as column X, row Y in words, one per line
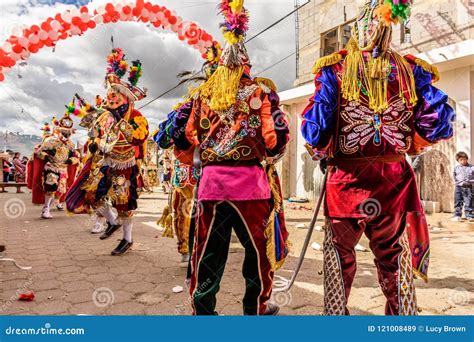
column 434, row 117
column 281, row 126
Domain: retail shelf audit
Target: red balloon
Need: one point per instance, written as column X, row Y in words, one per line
column 173, row 20
column 155, row 9
column 33, row 48
column 76, row 21
column 157, row 23
column 63, row 35
column 127, row 10
column 140, row 4
column 45, row 26
column 48, row 42
column 181, row 37
column 109, row 7
column 84, row 9
column 17, row 48
column 2, row 77
column 58, row 17
column 91, row 24
column 145, row 20
column 34, row 28
column 83, row 27
column 107, row 18
column 136, row 11
column 148, row 6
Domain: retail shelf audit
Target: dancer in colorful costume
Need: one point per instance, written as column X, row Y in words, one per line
column 111, row 181
column 235, row 124
column 54, row 165
column 371, row 108
column 184, row 174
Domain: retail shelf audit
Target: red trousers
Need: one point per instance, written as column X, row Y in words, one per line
column 211, row 246
column 388, row 242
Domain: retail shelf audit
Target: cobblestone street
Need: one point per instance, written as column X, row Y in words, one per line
column 73, row 273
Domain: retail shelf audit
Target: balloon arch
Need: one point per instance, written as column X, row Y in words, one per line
column 25, row 41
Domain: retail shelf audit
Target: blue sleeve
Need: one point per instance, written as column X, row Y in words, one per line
column 318, row 117
column 434, row 117
column 180, row 122
column 164, row 136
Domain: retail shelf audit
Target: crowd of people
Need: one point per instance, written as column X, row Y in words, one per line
column 13, row 167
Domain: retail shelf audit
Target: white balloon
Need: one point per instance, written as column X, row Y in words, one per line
column 174, row 28
column 75, row 12
column 53, row 35
column 55, row 25
column 15, row 56
column 67, row 17
column 160, row 16
column 179, row 20
column 118, row 7
column 23, row 41
column 6, row 70
column 145, row 13
column 42, row 35
column 152, row 17
column 85, row 17
column 75, row 30
column 123, row 17
column 25, row 54
column 7, row 47
column 101, row 10
column 17, row 31
column 99, row 19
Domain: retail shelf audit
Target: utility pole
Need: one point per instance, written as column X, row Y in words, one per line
column 297, row 37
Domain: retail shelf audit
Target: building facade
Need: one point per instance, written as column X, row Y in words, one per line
column 440, row 32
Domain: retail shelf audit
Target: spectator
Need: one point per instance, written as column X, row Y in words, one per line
column 20, row 168
column 6, row 169
column 464, row 179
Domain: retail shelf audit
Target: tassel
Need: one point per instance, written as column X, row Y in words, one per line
column 326, row 61
column 266, row 83
column 168, row 226
column 162, row 220
column 221, row 88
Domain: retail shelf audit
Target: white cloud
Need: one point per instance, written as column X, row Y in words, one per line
column 78, row 64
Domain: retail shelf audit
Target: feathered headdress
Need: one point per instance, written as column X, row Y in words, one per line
column 116, row 63
column 135, row 72
column 236, row 22
column 221, row 88
column 117, row 68
column 393, row 11
column 87, row 112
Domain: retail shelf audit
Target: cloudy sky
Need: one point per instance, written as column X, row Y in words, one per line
column 50, row 78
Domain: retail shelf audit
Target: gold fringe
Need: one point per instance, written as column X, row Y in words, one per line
column 429, row 68
column 221, row 88
column 270, row 228
column 266, row 82
column 350, row 87
column 419, row 275
column 336, row 57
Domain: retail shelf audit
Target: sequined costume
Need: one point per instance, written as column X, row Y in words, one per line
column 370, row 109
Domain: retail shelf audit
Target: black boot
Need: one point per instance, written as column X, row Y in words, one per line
column 111, row 228
column 272, row 309
column 122, row 247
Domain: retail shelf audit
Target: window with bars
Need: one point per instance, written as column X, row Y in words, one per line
column 336, row 38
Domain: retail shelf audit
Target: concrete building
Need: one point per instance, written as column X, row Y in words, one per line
column 441, row 32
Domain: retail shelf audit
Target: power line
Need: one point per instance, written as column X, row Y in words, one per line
column 248, row 40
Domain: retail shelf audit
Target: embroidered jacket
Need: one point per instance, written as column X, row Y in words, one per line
column 251, row 130
column 348, row 129
column 57, row 152
column 122, row 143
